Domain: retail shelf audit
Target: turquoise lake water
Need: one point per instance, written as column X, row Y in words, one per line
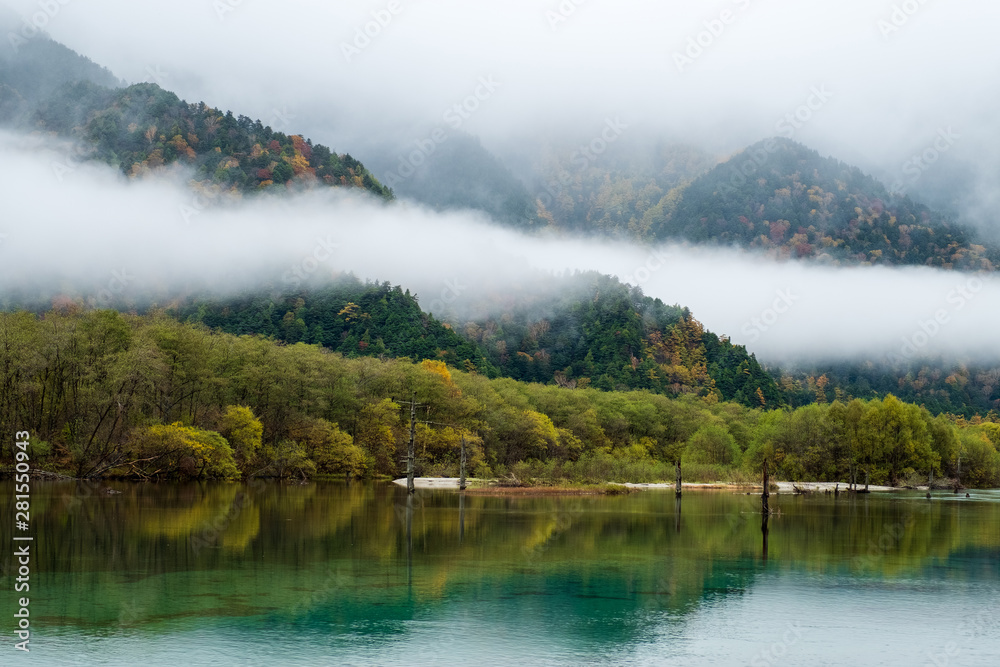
column 330, row 574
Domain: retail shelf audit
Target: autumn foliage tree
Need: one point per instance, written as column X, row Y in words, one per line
column 176, row 450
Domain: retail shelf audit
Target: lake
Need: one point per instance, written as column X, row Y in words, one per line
column 337, row 574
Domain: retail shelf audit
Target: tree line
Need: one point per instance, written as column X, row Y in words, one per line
column 111, row 394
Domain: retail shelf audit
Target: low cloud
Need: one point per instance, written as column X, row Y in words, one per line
column 83, row 229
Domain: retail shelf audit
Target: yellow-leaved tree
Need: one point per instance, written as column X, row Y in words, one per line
column 331, row 449
column 243, row 431
column 176, row 450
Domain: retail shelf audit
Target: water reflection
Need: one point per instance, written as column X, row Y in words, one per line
column 350, row 558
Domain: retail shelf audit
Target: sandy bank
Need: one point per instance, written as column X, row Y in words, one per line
column 783, row 487
column 452, row 483
column 436, row 482
column 822, row 487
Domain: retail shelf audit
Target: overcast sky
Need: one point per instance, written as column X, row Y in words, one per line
column 895, row 72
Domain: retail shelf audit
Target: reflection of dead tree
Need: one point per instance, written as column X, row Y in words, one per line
column 765, row 509
column 462, row 462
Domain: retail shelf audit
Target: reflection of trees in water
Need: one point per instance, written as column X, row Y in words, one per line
column 318, row 546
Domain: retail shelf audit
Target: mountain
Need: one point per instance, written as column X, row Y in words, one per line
column 777, row 197
column 35, row 68
column 946, row 386
column 142, row 129
column 450, row 170
column 618, row 192
column 348, row 316
column 597, row 332
column 783, row 198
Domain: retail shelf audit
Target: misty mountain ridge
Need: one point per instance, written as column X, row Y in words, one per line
column 448, row 169
column 584, row 330
column 142, row 129
column 776, row 197
column 592, row 331
column 34, row 67
column 782, row 198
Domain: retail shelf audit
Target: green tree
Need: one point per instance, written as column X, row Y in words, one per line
column 243, row 431
column 712, row 444
column 377, row 434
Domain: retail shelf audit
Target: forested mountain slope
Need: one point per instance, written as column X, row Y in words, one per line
column 597, row 332
column 783, row 198
column 142, row 129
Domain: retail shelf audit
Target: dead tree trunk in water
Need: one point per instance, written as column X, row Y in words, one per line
column 677, row 487
column 461, row 474
column 766, row 494
column 409, row 449
column 958, row 473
